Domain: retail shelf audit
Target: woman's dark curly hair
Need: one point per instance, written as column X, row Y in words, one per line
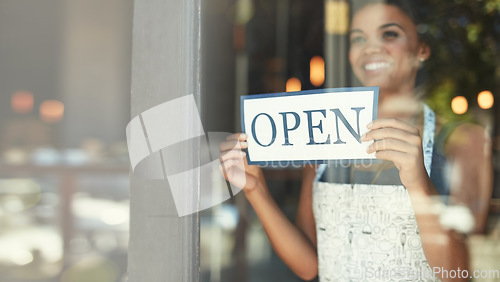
column 415, row 9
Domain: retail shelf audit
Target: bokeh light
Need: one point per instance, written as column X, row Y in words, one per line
column 241, row 12
column 317, row 71
column 459, row 105
column 485, row 99
column 19, row 194
column 20, row 246
column 293, row 84
column 22, row 102
column 336, row 17
column 22, row 257
column 51, row 110
column 114, row 216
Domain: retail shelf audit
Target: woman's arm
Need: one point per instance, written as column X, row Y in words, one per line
column 401, row 143
column 292, row 245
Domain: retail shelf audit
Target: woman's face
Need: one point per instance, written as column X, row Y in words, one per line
column 385, row 50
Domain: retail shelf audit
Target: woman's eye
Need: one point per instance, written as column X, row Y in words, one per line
column 357, row 40
column 390, row 35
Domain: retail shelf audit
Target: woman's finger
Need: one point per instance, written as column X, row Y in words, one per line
column 237, row 136
column 393, row 123
column 395, row 156
column 394, row 133
column 232, row 154
column 232, row 144
column 393, row 145
column 229, row 163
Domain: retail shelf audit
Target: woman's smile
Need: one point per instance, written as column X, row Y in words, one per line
column 376, row 66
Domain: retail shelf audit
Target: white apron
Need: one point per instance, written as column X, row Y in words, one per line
column 368, row 232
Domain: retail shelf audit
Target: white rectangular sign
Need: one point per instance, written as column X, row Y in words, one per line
column 308, row 126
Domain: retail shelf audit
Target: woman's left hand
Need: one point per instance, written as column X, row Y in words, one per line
column 399, row 142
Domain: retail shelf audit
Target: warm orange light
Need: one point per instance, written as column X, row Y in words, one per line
column 459, row 105
column 485, row 99
column 293, row 84
column 22, row 102
column 51, row 111
column 317, row 70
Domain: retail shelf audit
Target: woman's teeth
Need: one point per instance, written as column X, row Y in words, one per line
column 376, row 66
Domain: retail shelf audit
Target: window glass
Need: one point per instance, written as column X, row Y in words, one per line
column 254, row 47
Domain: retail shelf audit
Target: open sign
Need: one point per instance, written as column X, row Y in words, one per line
column 308, row 126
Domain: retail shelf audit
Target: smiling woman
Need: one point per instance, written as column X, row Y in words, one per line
column 426, row 164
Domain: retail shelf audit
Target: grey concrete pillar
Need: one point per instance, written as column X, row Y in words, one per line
column 165, row 65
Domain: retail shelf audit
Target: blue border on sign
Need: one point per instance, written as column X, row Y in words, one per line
column 375, row 90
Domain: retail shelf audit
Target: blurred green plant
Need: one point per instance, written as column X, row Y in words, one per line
column 464, row 36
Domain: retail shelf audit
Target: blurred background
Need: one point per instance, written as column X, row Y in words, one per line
column 65, row 102
column 64, row 171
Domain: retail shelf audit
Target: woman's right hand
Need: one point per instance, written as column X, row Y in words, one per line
column 290, row 243
column 235, row 166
